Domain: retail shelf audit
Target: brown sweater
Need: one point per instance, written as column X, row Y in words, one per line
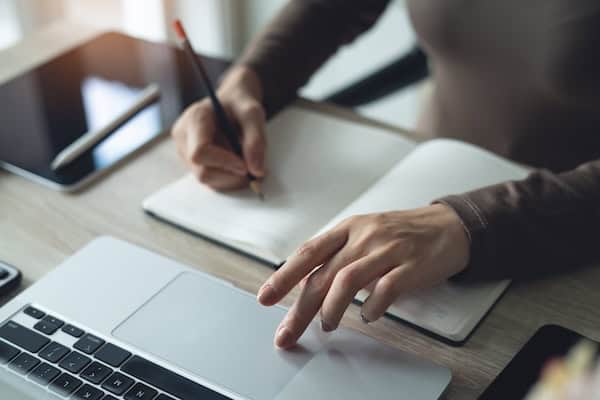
column 520, row 78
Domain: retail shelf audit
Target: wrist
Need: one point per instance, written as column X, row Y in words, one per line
column 457, row 232
column 241, row 80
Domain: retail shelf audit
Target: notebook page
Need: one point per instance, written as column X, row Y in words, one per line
column 435, row 169
column 318, row 164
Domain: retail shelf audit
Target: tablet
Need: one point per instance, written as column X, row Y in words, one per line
column 47, row 108
column 523, row 371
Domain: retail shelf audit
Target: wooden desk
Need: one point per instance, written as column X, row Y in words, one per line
column 39, row 228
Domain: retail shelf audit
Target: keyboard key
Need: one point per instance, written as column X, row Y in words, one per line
column 168, row 381
column 3, row 273
column 87, row 392
column 46, row 327
column 65, row 384
column 112, row 355
column 7, row 352
column 96, row 373
column 72, row 330
column 117, row 383
column 74, row 362
column 54, row 321
column 54, row 352
column 34, row 312
column 89, row 344
column 141, row 392
column 44, row 373
column 23, row 363
column 164, row 397
column 23, row 337
column 109, row 397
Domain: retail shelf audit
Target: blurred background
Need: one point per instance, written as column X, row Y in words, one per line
column 222, row 28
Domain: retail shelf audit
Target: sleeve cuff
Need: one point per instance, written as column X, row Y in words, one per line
column 476, row 228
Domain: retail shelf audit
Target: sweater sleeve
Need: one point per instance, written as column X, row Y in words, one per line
column 301, row 38
column 547, row 223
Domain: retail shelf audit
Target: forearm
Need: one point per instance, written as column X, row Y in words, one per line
column 545, row 223
column 301, row 38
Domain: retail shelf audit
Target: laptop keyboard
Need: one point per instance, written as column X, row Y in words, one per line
column 78, row 365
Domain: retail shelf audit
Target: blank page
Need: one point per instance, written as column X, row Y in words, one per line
column 318, row 164
column 435, row 169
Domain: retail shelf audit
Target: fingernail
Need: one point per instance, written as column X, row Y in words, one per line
column 326, row 327
column 267, row 295
column 284, row 338
column 364, row 319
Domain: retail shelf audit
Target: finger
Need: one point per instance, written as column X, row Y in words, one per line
column 213, row 156
column 219, row 179
column 198, row 144
column 399, row 281
column 252, row 122
column 303, row 310
column 311, row 297
column 200, row 123
column 348, row 281
column 309, row 256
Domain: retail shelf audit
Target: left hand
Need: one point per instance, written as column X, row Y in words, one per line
column 398, row 252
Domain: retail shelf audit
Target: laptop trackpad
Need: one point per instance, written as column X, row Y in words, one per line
column 217, row 333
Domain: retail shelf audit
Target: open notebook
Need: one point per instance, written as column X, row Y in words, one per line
column 323, row 169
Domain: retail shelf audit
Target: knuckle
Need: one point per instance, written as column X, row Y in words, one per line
column 379, row 218
column 386, row 287
column 348, row 279
column 203, row 175
column 318, row 283
column 199, row 112
column 308, row 249
column 252, row 109
column 354, row 220
column 255, row 142
column 195, row 154
column 399, row 244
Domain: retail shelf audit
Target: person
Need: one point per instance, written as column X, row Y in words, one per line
column 519, row 78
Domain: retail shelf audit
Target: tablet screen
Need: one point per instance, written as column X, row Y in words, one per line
column 524, row 370
column 46, row 109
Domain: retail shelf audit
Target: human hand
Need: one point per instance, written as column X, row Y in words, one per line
column 398, row 252
column 206, row 152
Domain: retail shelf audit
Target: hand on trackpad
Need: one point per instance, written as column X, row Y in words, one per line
column 218, row 333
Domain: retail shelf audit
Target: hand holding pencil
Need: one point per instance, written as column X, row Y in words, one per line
column 225, row 155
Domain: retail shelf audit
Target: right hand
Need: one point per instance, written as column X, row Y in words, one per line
column 205, row 150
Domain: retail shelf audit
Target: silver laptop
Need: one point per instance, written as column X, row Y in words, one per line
column 116, row 321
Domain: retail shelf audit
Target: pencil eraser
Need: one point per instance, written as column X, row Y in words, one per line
column 178, row 26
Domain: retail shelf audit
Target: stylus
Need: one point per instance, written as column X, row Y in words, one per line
column 148, row 96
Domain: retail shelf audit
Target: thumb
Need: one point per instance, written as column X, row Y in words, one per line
column 253, row 140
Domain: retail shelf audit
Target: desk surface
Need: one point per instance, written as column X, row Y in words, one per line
column 39, row 228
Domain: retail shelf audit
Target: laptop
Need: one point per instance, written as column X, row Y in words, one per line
column 116, row 321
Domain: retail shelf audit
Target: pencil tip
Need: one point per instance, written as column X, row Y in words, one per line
column 256, row 188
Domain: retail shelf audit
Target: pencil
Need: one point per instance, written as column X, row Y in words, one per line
column 224, row 123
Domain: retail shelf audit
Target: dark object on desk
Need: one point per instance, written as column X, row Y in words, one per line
column 397, row 75
column 225, row 124
column 49, row 107
column 523, row 371
column 10, row 278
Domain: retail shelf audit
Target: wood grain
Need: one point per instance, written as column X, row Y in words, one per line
column 39, row 228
